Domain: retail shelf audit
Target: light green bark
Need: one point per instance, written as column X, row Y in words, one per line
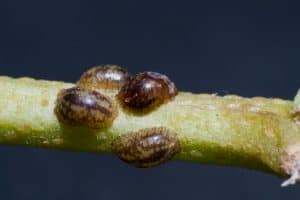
column 230, row 130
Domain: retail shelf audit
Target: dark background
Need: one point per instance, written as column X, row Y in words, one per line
column 249, row 48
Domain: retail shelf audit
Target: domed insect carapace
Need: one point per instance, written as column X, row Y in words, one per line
column 77, row 106
column 146, row 91
column 147, row 147
column 104, row 77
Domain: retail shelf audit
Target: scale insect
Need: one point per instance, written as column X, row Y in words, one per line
column 147, row 147
column 147, row 90
column 77, row 106
column 108, row 77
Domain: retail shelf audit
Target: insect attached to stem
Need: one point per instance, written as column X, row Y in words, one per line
column 146, row 91
column 77, row 106
column 107, row 77
column 147, row 147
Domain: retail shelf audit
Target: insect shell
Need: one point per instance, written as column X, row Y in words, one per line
column 77, row 106
column 146, row 91
column 147, row 147
column 104, row 77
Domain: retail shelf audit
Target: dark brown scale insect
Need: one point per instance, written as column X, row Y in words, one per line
column 77, row 106
column 147, row 90
column 147, row 147
column 104, row 77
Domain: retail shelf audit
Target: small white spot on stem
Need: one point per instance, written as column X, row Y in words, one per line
column 233, row 106
column 290, row 163
column 295, row 178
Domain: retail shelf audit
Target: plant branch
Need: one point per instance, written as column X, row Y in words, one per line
column 257, row 133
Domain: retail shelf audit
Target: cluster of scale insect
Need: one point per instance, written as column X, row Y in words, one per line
column 86, row 105
column 140, row 92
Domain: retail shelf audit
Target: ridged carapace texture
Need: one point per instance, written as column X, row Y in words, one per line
column 77, row 106
column 147, row 147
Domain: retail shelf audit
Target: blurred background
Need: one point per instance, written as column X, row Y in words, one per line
column 248, row 48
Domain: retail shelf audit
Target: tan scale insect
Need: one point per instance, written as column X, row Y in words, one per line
column 77, row 106
column 147, row 147
column 146, row 91
column 109, row 77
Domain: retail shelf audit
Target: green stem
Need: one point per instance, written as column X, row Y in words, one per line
column 256, row 133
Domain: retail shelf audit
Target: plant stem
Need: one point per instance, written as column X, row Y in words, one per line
column 257, row 133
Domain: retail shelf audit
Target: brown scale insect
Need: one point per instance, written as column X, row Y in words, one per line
column 104, row 77
column 77, row 106
column 146, row 91
column 147, row 147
